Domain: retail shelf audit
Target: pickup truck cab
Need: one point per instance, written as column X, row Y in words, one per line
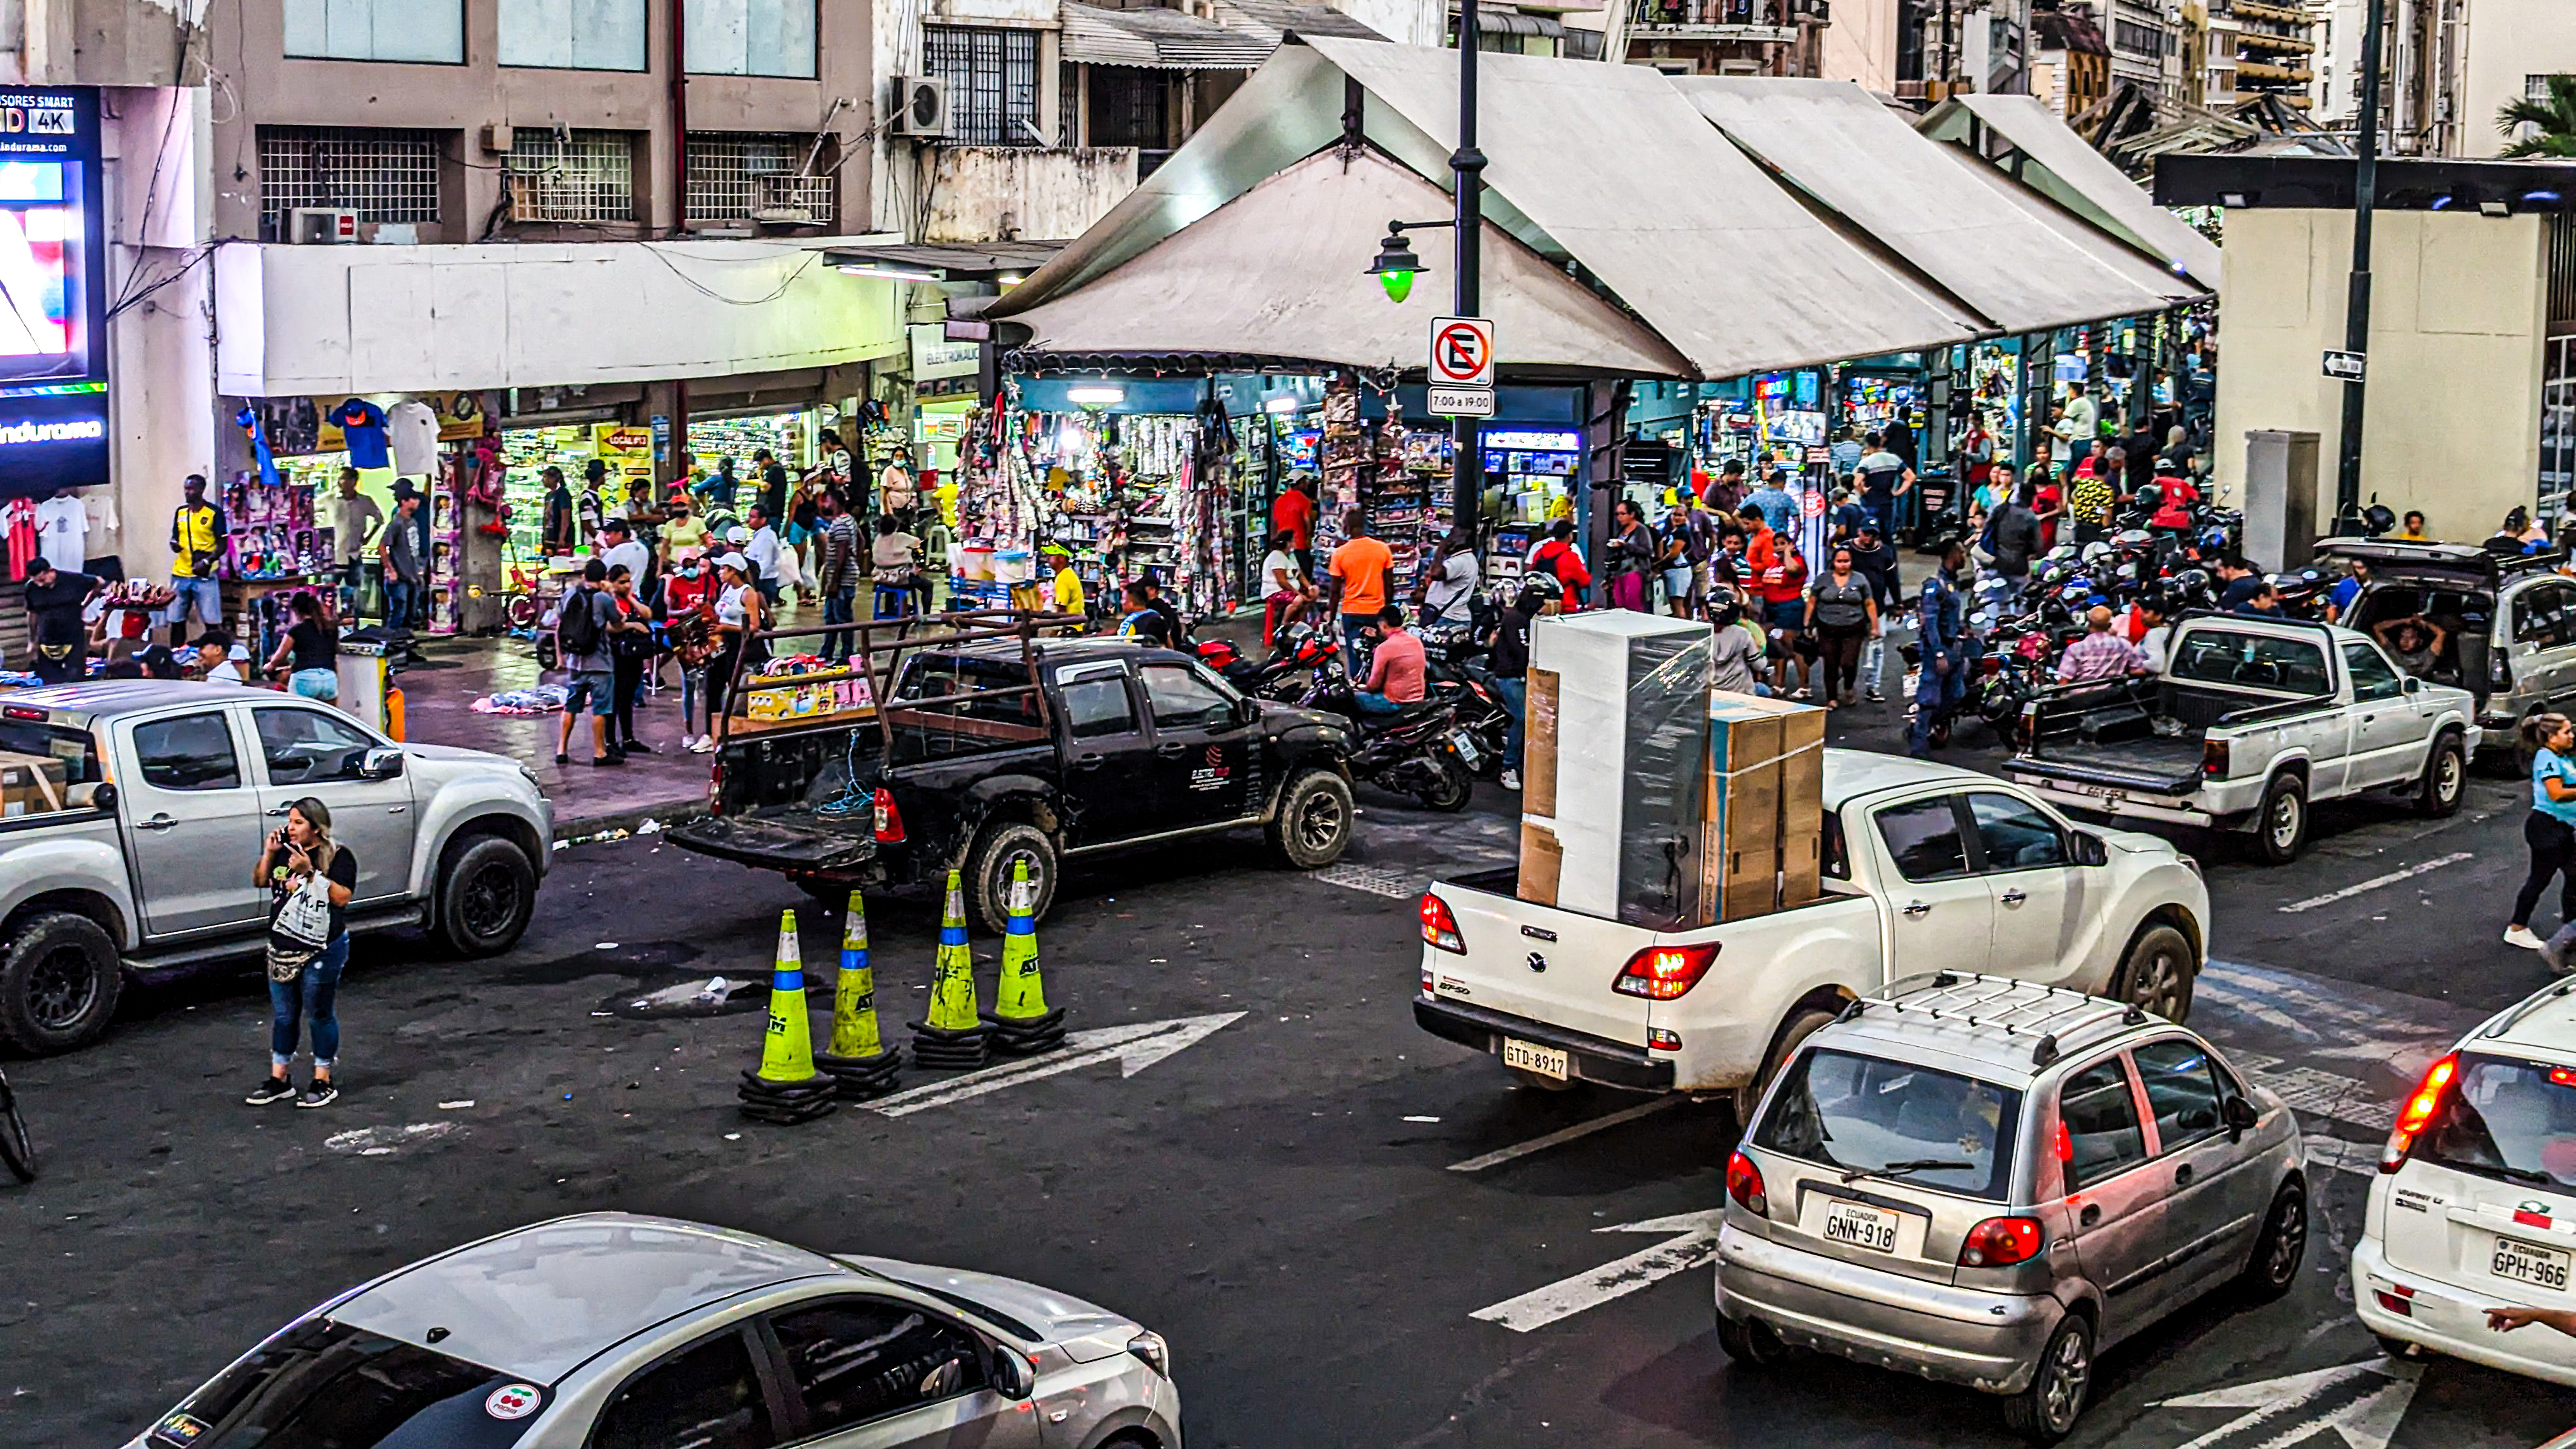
column 2252, row 721
column 170, row 789
column 971, row 768
column 1927, row 868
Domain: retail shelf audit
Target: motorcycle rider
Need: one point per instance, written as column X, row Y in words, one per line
column 1395, row 666
column 1943, row 630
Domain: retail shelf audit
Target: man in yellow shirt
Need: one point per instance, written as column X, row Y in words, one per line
column 2412, row 529
column 196, row 549
column 1067, row 586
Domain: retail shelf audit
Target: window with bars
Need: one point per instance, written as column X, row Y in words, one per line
column 744, row 176
column 382, row 175
column 1129, row 106
column 992, row 77
column 571, row 176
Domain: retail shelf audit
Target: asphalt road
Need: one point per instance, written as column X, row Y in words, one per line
column 1277, row 1197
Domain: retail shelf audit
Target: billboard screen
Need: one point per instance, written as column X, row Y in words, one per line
column 53, row 266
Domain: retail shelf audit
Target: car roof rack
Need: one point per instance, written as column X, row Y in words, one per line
column 2514, row 1014
column 2017, row 1007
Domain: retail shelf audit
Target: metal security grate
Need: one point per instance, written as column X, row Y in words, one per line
column 571, row 176
column 381, row 175
column 742, row 176
column 992, row 80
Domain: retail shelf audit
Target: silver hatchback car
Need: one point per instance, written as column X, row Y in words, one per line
column 619, row 1332
column 1988, row 1182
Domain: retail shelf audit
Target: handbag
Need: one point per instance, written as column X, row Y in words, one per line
column 306, row 915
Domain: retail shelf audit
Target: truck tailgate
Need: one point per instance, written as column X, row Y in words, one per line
column 793, row 840
column 1539, row 963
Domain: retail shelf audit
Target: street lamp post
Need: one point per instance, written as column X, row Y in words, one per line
column 2356, row 321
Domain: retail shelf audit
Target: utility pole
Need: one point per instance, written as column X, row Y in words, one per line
column 2356, row 321
column 1467, row 178
column 679, row 215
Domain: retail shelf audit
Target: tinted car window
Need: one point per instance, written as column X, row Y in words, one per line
column 2016, row 836
column 2258, row 661
column 307, row 747
column 2101, row 1120
column 1845, row 1110
column 323, row 1385
column 2540, row 615
column 1182, row 700
column 706, row 1397
column 857, row 1359
column 1924, row 837
column 2182, row 1092
column 192, row 752
column 2506, row 1119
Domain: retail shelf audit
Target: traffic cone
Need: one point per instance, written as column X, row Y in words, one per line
column 785, row 1088
column 952, row 1037
column 1022, row 1025
column 863, row 1065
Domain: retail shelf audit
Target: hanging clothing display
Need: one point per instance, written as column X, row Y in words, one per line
column 362, row 425
column 411, row 429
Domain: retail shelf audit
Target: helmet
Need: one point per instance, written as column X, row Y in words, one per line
column 2095, row 552
column 2213, row 537
column 2075, row 594
column 2132, row 538
column 2063, row 553
column 1546, row 585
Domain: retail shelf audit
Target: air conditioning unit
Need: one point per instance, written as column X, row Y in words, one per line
column 920, row 107
column 321, row 225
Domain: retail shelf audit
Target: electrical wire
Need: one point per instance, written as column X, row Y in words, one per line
column 779, row 291
column 195, row 258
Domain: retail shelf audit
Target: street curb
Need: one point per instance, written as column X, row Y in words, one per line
column 618, row 824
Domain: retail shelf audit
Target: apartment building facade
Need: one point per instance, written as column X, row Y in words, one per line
column 2451, row 66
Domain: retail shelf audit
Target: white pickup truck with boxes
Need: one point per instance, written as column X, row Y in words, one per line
column 1739, row 897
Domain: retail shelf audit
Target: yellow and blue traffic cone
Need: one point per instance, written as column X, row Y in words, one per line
column 1021, row 1023
column 952, row 1037
column 861, row 1062
column 785, row 1088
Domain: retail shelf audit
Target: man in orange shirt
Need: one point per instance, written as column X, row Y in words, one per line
column 1294, row 514
column 1362, row 577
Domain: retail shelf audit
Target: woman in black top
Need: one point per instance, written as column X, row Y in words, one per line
column 61, row 637
column 1633, row 552
column 1509, row 662
column 1842, row 611
column 308, row 657
column 306, row 947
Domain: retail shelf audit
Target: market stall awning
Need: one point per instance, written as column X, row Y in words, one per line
column 1277, row 273
column 1611, row 167
column 2061, row 165
column 1835, row 142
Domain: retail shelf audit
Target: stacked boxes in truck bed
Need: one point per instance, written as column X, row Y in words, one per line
column 1763, row 807
column 30, row 784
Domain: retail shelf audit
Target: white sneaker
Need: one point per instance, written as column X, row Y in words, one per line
column 2521, row 936
column 701, row 744
column 1511, row 779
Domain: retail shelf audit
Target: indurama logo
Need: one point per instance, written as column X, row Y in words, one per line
column 78, row 430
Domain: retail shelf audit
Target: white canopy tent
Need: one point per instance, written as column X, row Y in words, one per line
column 2059, row 163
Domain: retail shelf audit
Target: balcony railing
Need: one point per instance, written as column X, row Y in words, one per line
column 1760, row 21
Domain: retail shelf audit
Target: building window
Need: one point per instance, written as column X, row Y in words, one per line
column 783, row 179
column 751, row 37
column 571, row 176
column 380, row 175
column 414, row 30
column 1129, row 106
column 573, row 34
column 992, row 80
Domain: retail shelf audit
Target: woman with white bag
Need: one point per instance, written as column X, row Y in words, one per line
column 309, row 879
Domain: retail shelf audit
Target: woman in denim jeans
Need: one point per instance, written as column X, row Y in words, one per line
column 304, row 978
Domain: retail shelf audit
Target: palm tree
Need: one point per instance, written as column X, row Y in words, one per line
column 2553, row 119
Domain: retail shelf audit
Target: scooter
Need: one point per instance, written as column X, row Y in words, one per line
column 1419, row 752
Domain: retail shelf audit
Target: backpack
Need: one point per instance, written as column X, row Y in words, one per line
column 577, row 632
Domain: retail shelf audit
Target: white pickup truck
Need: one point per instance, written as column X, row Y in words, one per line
column 167, row 791
column 1927, row 868
column 2251, row 722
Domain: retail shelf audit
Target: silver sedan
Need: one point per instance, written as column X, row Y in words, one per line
column 619, row 1332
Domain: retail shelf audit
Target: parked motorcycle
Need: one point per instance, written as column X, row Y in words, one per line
column 1420, row 752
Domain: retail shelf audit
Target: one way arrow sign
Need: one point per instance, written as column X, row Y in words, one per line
column 2360, row 1402
column 1690, row 1239
column 1134, row 1046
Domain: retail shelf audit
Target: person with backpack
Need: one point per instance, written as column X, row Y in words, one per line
column 582, row 637
column 1557, row 558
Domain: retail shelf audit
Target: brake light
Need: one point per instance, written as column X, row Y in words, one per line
column 2562, row 1077
column 1658, row 1039
column 1744, row 1184
column 1439, row 928
column 2213, row 759
column 2001, row 1242
column 2418, row 1112
column 1660, row 973
column 889, row 820
column 2394, row 1304
column 20, row 711
column 2065, row 1144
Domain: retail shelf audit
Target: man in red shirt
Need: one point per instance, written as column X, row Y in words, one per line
column 688, row 612
column 1294, row 514
column 1557, row 557
column 1395, row 668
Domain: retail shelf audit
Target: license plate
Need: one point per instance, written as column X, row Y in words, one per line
column 1531, row 1057
column 1465, row 744
column 1855, row 1225
column 2109, row 795
column 2525, row 1263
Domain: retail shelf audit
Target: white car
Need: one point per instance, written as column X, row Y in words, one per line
column 2475, row 1205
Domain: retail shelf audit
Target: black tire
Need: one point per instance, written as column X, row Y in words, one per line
column 1801, row 1025
column 2281, row 821
column 486, row 893
column 2283, row 1244
column 988, row 872
column 2157, row 974
column 1313, row 825
column 2046, row 1411
column 17, row 1149
column 1456, row 788
column 2446, row 778
column 59, row 980
column 1751, row 1343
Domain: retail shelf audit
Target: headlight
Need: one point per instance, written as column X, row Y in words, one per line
column 1150, row 1347
column 531, row 777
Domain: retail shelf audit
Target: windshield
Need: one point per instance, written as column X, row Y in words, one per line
column 2507, row 1119
column 1839, row 1110
column 322, row 1385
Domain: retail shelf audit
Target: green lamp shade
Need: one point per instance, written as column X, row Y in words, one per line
column 1399, row 285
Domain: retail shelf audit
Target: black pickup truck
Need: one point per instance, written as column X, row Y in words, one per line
column 992, row 753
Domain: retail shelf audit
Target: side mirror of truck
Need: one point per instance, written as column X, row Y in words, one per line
column 381, row 764
column 1247, row 711
column 2241, row 1116
column 2091, row 849
column 104, row 797
column 2413, row 684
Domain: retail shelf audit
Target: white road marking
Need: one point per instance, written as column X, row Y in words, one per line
column 384, row 1141
column 1562, row 1135
column 2329, row 1095
column 2366, row 1422
column 1134, row 1046
column 2374, row 883
column 1394, row 885
column 1691, row 1240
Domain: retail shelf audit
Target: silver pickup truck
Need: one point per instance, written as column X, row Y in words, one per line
column 143, row 863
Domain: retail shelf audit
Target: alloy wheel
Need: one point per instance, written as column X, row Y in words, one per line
column 491, row 902
column 2289, row 1243
column 1319, row 820
column 2157, row 986
column 2068, row 1370
column 61, row 989
column 2447, row 777
column 2285, row 821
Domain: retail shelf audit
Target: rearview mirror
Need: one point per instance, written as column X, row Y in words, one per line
column 381, row 763
column 1013, row 1379
column 1247, row 711
column 2413, row 684
column 2090, row 849
column 2241, row 1116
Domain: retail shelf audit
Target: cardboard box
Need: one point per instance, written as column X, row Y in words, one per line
column 1541, row 860
column 30, row 784
column 1538, row 746
column 1764, row 808
column 1624, row 790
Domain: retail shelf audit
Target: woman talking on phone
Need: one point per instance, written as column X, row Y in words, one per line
column 309, row 879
